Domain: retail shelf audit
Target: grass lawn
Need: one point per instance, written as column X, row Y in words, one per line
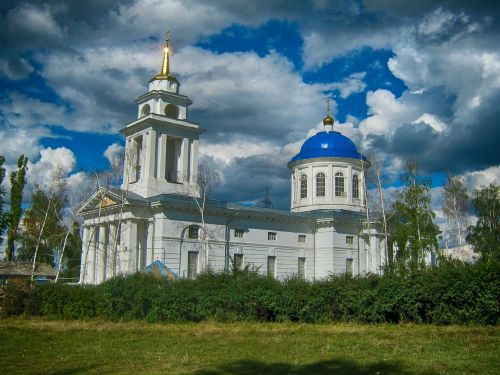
column 36, row 346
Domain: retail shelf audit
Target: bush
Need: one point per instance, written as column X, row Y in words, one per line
column 452, row 293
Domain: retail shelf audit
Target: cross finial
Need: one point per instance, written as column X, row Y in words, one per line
column 329, row 106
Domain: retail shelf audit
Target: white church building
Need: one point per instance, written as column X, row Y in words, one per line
column 159, row 217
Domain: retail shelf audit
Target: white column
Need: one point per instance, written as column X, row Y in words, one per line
column 149, row 149
column 84, row 256
column 111, row 258
column 128, row 174
column 131, row 246
column 348, row 184
column 194, row 161
column 91, row 255
column 162, row 156
column 159, row 233
column 184, row 159
column 150, row 242
column 102, row 253
column 310, row 185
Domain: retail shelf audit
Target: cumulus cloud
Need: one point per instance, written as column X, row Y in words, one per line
column 350, row 85
column 53, row 163
column 96, row 56
column 113, row 153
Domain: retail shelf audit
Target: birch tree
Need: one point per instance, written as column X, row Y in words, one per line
column 3, row 216
column 455, row 202
column 206, row 180
column 485, row 235
column 414, row 231
column 17, row 183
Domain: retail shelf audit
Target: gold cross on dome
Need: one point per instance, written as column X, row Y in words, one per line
column 329, row 106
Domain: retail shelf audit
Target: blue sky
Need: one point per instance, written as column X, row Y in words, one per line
column 408, row 81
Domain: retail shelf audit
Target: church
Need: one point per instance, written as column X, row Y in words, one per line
column 161, row 220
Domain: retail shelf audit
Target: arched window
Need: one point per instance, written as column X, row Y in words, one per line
column 320, row 184
column 303, row 186
column 146, row 110
column 339, row 185
column 193, row 232
column 355, row 186
column 172, row 111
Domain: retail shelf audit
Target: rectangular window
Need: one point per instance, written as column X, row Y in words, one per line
column 271, row 236
column 238, row 261
column 349, row 240
column 271, row 266
column 302, row 238
column 192, row 264
column 238, row 233
column 194, row 232
column 301, row 272
column 348, row 266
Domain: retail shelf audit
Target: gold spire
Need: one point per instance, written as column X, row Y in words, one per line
column 165, row 65
column 328, row 120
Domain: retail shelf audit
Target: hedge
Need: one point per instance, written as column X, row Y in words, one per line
column 453, row 293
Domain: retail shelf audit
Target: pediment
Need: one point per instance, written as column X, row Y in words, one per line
column 103, row 198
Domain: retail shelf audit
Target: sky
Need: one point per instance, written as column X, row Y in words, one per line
column 409, row 80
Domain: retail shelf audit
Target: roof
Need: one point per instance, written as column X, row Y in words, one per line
column 328, row 144
column 225, row 208
column 12, row 269
column 158, row 268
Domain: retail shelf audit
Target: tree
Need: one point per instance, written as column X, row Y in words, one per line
column 3, row 216
column 207, row 179
column 414, row 232
column 485, row 235
column 17, row 183
column 42, row 229
column 377, row 174
column 455, row 200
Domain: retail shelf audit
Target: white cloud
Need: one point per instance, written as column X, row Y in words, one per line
column 350, row 85
column 33, row 21
column 476, row 179
column 17, row 141
column 59, row 160
column 386, row 112
column 432, row 121
column 114, row 153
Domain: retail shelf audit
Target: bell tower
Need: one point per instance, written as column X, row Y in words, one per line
column 161, row 151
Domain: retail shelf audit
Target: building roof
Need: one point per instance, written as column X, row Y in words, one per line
column 328, row 144
column 13, row 269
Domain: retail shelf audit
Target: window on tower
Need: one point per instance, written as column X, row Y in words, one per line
column 171, row 111
column 355, row 186
column 320, row 184
column 339, row 185
column 303, row 186
column 146, row 110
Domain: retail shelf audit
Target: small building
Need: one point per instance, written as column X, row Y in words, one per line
column 22, row 271
column 159, row 215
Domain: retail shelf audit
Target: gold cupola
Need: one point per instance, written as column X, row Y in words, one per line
column 328, row 120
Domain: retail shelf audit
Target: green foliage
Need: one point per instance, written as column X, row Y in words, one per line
column 3, row 217
column 413, row 230
column 53, row 231
column 485, row 235
column 453, row 293
column 17, row 182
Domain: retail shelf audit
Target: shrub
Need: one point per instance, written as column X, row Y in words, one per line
column 452, row 293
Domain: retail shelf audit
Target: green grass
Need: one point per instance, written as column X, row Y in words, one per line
column 36, row 346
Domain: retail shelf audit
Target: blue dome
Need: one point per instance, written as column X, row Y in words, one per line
column 326, row 145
